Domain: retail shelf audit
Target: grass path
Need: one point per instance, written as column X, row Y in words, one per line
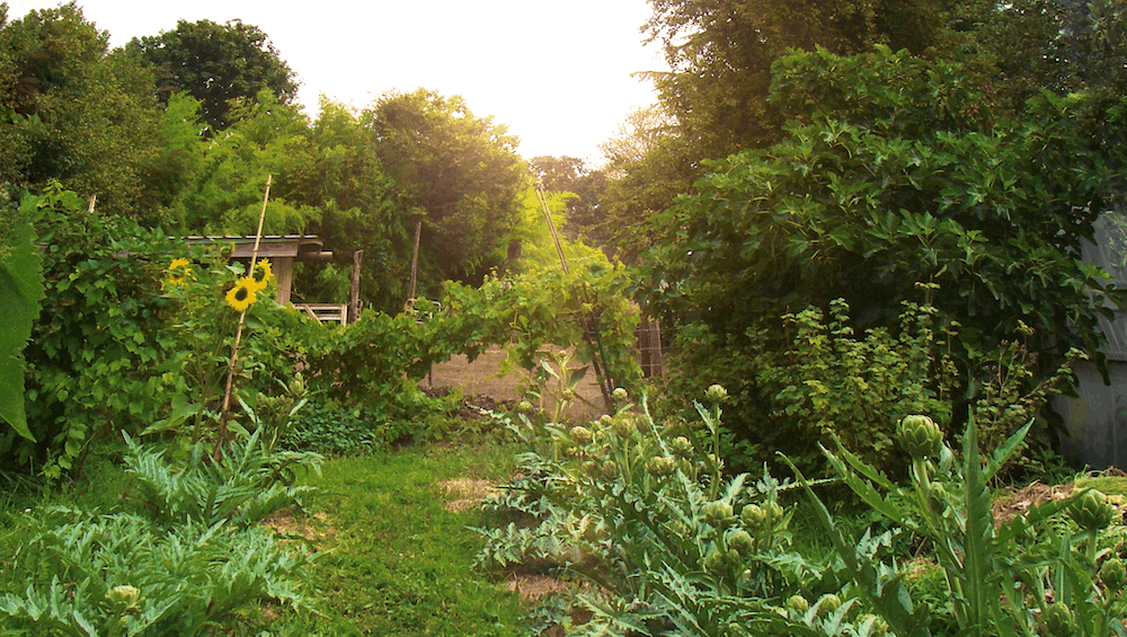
column 399, row 561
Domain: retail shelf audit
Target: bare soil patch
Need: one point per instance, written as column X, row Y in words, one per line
column 467, row 492
column 532, row 588
column 482, row 378
column 1021, row 500
column 312, row 527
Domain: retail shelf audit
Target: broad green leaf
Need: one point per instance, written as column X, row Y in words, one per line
column 979, row 532
column 21, row 290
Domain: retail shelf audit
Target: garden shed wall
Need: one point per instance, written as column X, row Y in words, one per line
column 1096, row 422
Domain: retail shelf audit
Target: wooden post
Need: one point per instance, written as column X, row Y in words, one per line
column 354, row 293
column 414, row 267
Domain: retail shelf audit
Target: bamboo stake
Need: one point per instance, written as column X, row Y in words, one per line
column 590, row 323
column 225, row 413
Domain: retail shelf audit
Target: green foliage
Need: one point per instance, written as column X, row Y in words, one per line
column 645, row 513
column 226, row 176
column 190, row 558
column 456, row 172
column 202, row 325
column 546, row 307
column 246, row 484
column 216, row 64
column 572, row 175
column 81, row 115
column 97, row 355
column 868, row 199
column 828, row 383
column 947, row 502
column 21, row 290
column 892, row 176
column 336, row 431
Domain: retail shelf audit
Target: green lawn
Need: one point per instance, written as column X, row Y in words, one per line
column 397, row 560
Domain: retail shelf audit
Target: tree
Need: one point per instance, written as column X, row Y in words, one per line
column 571, row 174
column 217, row 63
column 71, row 106
column 647, row 165
column 229, row 172
column 714, row 97
column 360, row 210
column 458, row 174
column 893, row 173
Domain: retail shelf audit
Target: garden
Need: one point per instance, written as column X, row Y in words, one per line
column 869, row 303
column 207, row 461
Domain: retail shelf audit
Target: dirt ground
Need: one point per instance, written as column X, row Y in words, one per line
column 481, row 377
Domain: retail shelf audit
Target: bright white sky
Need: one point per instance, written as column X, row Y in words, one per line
column 557, row 74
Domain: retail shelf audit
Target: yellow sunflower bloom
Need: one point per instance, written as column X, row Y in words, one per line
column 178, row 271
column 242, row 295
column 262, row 274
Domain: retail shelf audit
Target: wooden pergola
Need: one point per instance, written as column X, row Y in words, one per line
column 283, row 251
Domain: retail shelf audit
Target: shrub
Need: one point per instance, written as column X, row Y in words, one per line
column 185, row 561
column 670, row 544
column 1071, row 578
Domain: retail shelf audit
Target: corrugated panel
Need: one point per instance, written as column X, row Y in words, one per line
column 1097, row 420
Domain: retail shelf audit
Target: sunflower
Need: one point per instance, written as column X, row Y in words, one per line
column 261, row 274
column 178, row 271
column 242, row 296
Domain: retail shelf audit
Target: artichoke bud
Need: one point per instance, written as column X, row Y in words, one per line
column 798, row 604
column 681, row 447
column 524, row 407
column 715, row 462
column 609, row 470
column 753, row 517
column 620, row 395
column 878, row 628
column 716, row 562
column 661, row 466
column 624, row 425
column 1058, row 620
column 718, row 513
column 829, row 604
column 1092, row 511
column 123, row 599
column 1113, row 575
column 740, row 541
column 581, row 435
column 774, row 512
column 920, row 437
column 716, row 394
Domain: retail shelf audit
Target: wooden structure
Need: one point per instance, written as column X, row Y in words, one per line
column 283, row 251
column 326, row 312
column 1096, row 421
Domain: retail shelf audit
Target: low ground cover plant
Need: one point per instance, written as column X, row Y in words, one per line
column 661, row 540
column 183, row 553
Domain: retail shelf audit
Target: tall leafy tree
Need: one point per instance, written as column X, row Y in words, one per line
column 892, row 173
column 77, row 113
column 360, row 210
column 217, row 63
column 573, row 175
column 457, row 173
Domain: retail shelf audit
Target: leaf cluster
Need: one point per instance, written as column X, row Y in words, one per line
column 188, row 557
column 947, row 501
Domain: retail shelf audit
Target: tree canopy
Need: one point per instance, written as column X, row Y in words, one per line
column 217, row 63
column 69, row 105
column 457, row 173
column 891, row 174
